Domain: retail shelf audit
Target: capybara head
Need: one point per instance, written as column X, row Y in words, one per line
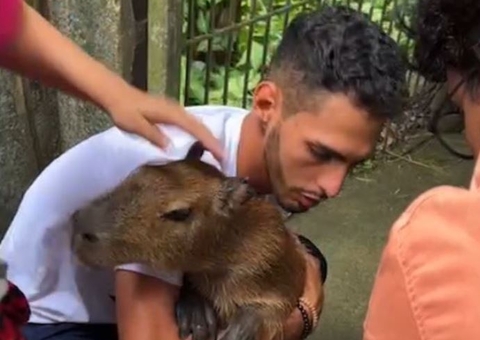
column 167, row 216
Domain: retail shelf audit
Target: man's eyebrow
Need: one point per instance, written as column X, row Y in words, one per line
column 322, row 148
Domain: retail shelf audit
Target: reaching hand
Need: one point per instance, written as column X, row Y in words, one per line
column 138, row 112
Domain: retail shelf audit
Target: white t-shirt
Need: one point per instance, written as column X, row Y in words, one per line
column 37, row 245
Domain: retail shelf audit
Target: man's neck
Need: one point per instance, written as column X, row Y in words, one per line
column 250, row 155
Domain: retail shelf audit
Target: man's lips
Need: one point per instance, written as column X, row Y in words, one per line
column 308, row 200
column 311, row 196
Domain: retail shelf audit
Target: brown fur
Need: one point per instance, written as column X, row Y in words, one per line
column 233, row 247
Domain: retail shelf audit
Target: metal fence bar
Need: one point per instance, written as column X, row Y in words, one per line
column 163, row 46
column 227, row 74
column 249, row 55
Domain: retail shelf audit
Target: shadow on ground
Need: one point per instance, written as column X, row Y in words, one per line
column 352, row 229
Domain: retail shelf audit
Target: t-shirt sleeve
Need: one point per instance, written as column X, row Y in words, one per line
column 174, row 278
column 10, row 20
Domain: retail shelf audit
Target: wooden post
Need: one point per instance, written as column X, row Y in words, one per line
column 164, row 46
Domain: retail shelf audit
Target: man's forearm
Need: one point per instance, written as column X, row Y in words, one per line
column 41, row 52
column 145, row 307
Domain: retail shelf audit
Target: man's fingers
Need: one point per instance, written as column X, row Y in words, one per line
column 211, row 322
column 199, row 324
column 184, row 321
column 193, row 126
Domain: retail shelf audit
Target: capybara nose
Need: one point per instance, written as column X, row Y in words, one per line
column 317, row 253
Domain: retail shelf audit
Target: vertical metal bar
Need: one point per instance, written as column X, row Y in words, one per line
column 360, row 5
column 164, row 32
column 174, row 48
column 232, row 15
column 409, row 75
column 249, row 54
column 157, row 16
column 138, row 69
column 209, row 59
column 372, row 8
column 384, row 10
column 267, row 34
column 390, row 25
column 189, row 57
column 417, row 83
column 287, row 15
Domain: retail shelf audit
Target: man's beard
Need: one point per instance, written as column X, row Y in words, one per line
column 275, row 171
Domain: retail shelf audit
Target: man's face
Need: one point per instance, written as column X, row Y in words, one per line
column 309, row 154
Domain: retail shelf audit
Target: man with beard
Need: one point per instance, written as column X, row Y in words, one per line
column 332, row 83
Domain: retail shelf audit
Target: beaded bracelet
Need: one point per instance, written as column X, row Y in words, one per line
column 307, row 325
column 312, row 311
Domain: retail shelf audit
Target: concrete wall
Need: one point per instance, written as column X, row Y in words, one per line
column 36, row 124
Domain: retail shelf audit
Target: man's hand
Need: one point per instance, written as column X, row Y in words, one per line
column 145, row 307
column 313, row 294
column 195, row 316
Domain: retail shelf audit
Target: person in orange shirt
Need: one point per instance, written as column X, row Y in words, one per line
column 426, row 287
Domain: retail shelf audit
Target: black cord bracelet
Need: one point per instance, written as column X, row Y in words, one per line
column 307, row 325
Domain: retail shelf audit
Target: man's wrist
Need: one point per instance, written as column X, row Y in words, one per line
column 294, row 326
column 302, row 322
column 311, row 311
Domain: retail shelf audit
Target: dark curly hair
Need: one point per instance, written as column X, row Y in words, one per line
column 444, row 32
column 339, row 50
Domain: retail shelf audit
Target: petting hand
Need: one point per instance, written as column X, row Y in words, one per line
column 138, row 112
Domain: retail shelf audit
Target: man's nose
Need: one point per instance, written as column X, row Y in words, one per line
column 332, row 181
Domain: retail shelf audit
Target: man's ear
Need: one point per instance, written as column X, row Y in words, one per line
column 267, row 101
column 196, row 151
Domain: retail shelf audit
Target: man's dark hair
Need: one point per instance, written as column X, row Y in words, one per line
column 444, row 32
column 339, row 50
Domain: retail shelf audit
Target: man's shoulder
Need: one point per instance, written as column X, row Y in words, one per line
column 216, row 111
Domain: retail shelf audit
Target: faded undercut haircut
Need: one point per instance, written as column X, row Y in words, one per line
column 445, row 33
column 338, row 50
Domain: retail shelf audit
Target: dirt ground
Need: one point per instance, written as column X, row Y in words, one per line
column 351, row 230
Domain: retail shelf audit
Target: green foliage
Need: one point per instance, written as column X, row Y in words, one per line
column 252, row 45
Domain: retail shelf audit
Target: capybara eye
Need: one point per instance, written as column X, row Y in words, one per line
column 178, row 215
column 90, row 237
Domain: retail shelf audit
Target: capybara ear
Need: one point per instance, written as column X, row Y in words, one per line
column 196, row 151
column 233, row 192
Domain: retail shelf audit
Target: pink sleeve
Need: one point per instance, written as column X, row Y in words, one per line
column 10, row 16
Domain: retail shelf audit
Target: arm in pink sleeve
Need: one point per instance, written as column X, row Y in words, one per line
column 10, row 16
